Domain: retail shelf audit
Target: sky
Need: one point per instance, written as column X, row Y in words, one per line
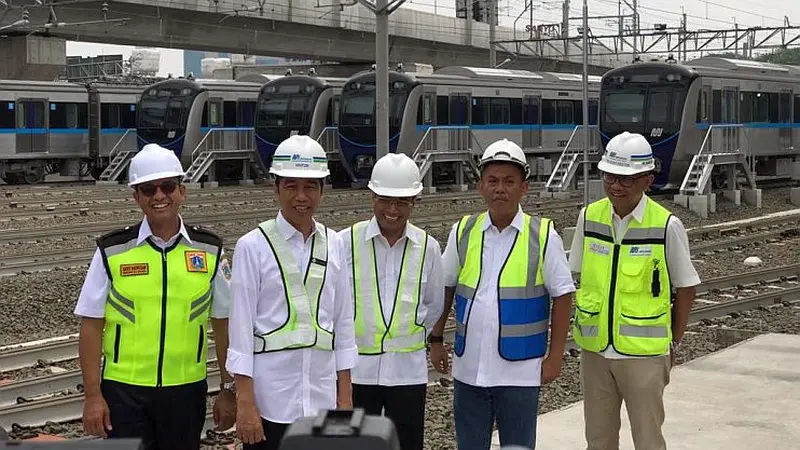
column 712, row 14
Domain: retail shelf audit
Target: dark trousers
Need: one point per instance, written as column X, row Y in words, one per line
column 273, row 433
column 165, row 418
column 404, row 405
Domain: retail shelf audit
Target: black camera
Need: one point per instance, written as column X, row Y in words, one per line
column 341, row 430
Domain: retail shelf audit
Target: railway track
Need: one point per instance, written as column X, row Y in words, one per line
column 75, row 257
column 58, row 397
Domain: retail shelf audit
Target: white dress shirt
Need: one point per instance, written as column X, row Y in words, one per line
column 481, row 364
column 94, row 293
column 288, row 384
column 679, row 262
column 397, row 368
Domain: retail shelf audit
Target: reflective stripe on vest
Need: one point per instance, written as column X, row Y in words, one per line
column 523, row 301
column 302, row 293
column 624, row 295
column 156, row 312
column 402, row 333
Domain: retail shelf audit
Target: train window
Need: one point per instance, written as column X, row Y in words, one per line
column 427, row 109
column 593, row 111
column 516, row 111
column 127, row 116
column 548, row 112
column 796, row 110
column 30, row 115
column 229, row 114
column 297, row 109
column 500, row 111
column 272, row 112
column 358, row 110
column 658, row 108
column 716, row 112
column 530, row 110
column 677, row 108
column 172, row 119
column 61, row 118
column 442, row 110
column 214, row 114
column 773, row 107
column 623, row 110
column 481, row 111
column 761, row 107
column 7, row 115
column 460, row 110
column 565, row 112
column 745, row 107
column 785, row 108
column 109, row 115
column 246, row 114
column 337, row 103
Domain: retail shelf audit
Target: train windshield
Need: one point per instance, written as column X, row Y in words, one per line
column 283, row 105
column 643, row 109
column 358, row 103
column 165, row 107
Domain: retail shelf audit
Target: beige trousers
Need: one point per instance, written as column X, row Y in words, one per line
column 607, row 382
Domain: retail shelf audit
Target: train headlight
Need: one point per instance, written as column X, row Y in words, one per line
column 673, row 77
column 657, row 162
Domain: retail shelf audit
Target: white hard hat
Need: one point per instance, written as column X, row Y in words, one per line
column 299, row 156
column 395, row 175
column 627, row 154
column 153, row 162
column 506, row 151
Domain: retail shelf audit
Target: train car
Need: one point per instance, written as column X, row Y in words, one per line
column 61, row 127
column 756, row 106
column 537, row 110
column 178, row 113
column 296, row 104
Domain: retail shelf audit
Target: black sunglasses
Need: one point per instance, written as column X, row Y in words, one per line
column 624, row 181
column 167, row 187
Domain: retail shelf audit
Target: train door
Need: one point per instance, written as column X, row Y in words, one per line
column 215, row 112
column 531, row 131
column 785, row 118
column 460, row 114
column 32, row 133
column 730, row 115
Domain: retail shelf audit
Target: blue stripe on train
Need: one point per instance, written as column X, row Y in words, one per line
column 59, row 130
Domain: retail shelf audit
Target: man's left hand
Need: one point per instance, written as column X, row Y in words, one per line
column 344, row 402
column 551, row 369
column 225, row 410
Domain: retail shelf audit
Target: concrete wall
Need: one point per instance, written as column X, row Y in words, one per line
column 32, row 57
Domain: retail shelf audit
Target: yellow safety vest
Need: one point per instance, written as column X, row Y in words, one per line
column 158, row 307
column 625, row 291
column 302, row 292
column 523, row 301
column 402, row 333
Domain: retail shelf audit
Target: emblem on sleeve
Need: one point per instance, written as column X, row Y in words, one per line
column 225, row 266
column 130, row 270
column 196, row 262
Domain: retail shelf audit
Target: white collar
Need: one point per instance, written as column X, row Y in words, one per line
column 637, row 213
column 288, row 230
column 145, row 231
column 517, row 222
column 373, row 230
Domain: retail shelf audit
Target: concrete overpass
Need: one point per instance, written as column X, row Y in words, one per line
column 292, row 28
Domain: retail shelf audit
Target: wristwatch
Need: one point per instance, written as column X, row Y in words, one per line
column 434, row 339
column 229, row 386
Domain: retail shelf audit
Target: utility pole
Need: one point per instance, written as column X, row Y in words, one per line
column 492, row 18
column 565, row 27
column 586, row 103
column 382, row 9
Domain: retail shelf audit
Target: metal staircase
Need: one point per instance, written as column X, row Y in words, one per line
column 729, row 152
column 570, row 159
column 119, row 159
column 213, row 147
column 448, row 144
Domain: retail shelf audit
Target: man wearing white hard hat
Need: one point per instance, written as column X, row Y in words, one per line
column 291, row 330
column 395, row 278
column 630, row 252
column 506, row 270
column 145, row 307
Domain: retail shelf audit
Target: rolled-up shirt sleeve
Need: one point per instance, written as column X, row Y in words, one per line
column 557, row 275
column 433, row 297
column 245, row 286
column 345, row 349
column 450, row 259
column 94, row 293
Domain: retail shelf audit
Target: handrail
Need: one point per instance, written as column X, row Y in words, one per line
column 421, row 143
column 566, row 151
column 208, row 133
column 703, row 146
column 114, row 150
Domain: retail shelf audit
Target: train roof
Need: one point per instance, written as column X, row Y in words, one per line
column 742, row 65
column 10, row 85
column 313, row 79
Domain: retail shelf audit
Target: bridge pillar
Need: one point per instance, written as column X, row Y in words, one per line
column 36, row 58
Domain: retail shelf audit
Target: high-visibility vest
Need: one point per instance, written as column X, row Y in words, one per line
column 523, row 301
column 158, row 306
column 625, row 290
column 402, row 333
column 301, row 291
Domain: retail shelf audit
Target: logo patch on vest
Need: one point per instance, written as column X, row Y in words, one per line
column 600, row 249
column 641, row 250
column 196, row 262
column 130, row 270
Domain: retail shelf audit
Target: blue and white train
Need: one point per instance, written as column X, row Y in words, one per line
column 674, row 105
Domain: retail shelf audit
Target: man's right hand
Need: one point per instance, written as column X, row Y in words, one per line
column 439, row 357
column 248, row 425
column 96, row 416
